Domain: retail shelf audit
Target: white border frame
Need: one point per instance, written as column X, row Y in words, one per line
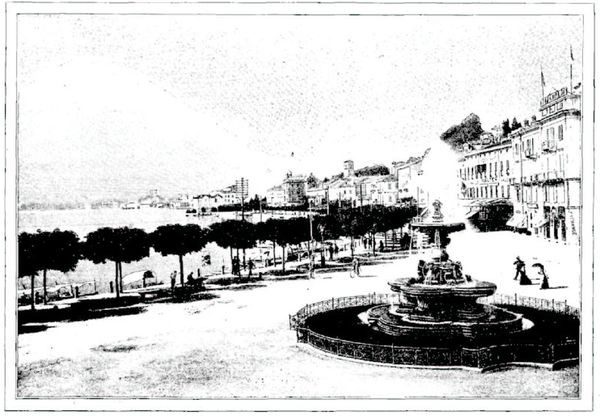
column 585, row 403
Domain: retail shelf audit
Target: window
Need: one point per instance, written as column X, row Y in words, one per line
column 507, row 170
column 560, row 132
column 508, row 191
column 502, row 189
column 501, row 170
column 550, row 136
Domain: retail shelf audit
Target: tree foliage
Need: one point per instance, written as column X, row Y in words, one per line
column 469, row 130
column 121, row 245
column 179, row 240
column 372, row 170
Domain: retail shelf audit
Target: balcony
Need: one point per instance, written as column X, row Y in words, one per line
column 548, row 146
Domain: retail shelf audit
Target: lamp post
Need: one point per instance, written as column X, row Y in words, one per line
column 310, row 259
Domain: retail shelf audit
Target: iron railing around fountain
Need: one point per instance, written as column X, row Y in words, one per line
column 482, row 357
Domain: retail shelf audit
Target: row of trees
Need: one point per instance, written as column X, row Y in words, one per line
column 62, row 250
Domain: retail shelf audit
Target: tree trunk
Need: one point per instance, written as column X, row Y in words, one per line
column 117, row 279
column 121, row 276
column 32, row 292
column 373, row 242
column 45, row 290
column 385, row 239
column 231, row 258
column 244, row 261
column 322, row 252
column 283, row 258
column 181, row 268
column 352, row 247
column 274, row 262
column 393, row 239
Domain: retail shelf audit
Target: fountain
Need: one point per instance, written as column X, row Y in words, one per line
column 435, row 319
column 441, row 302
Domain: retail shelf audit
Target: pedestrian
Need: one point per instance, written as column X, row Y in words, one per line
column 545, row 284
column 519, row 265
column 250, row 267
column 336, row 249
column 381, row 246
column 330, row 252
column 199, row 273
column 353, row 272
column 173, row 278
column 190, row 279
column 364, row 241
column 357, row 267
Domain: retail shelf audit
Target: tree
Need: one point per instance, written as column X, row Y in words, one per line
column 515, row 124
column 290, row 231
column 244, row 236
column 372, row 170
column 352, row 226
column 267, row 231
column 179, row 240
column 505, row 128
column 28, row 266
column 325, row 227
column 469, row 130
column 222, row 234
column 57, row 250
column 121, row 245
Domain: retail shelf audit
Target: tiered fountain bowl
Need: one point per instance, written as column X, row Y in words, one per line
column 441, row 302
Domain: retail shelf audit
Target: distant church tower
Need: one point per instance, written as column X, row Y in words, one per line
column 348, row 168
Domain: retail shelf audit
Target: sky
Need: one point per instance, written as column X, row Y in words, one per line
column 115, row 105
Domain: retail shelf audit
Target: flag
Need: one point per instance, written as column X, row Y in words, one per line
column 571, row 47
column 543, row 82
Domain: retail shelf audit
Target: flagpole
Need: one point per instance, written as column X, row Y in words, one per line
column 571, row 78
column 571, row 68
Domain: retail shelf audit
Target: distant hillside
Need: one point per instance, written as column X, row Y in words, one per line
column 467, row 131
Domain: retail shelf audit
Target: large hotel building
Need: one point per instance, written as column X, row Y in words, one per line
column 536, row 169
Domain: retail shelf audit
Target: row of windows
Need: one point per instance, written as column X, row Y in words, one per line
column 528, row 146
column 549, row 193
column 485, row 171
column 490, row 191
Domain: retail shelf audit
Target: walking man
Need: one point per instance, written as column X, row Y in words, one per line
column 250, row 267
column 173, row 277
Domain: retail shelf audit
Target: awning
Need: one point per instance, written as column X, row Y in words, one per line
column 517, row 221
column 474, row 211
column 540, row 223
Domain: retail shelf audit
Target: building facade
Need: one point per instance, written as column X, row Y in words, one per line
column 275, row 196
column 407, row 174
column 484, row 172
column 484, row 182
column 547, row 174
column 294, row 189
column 208, row 202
